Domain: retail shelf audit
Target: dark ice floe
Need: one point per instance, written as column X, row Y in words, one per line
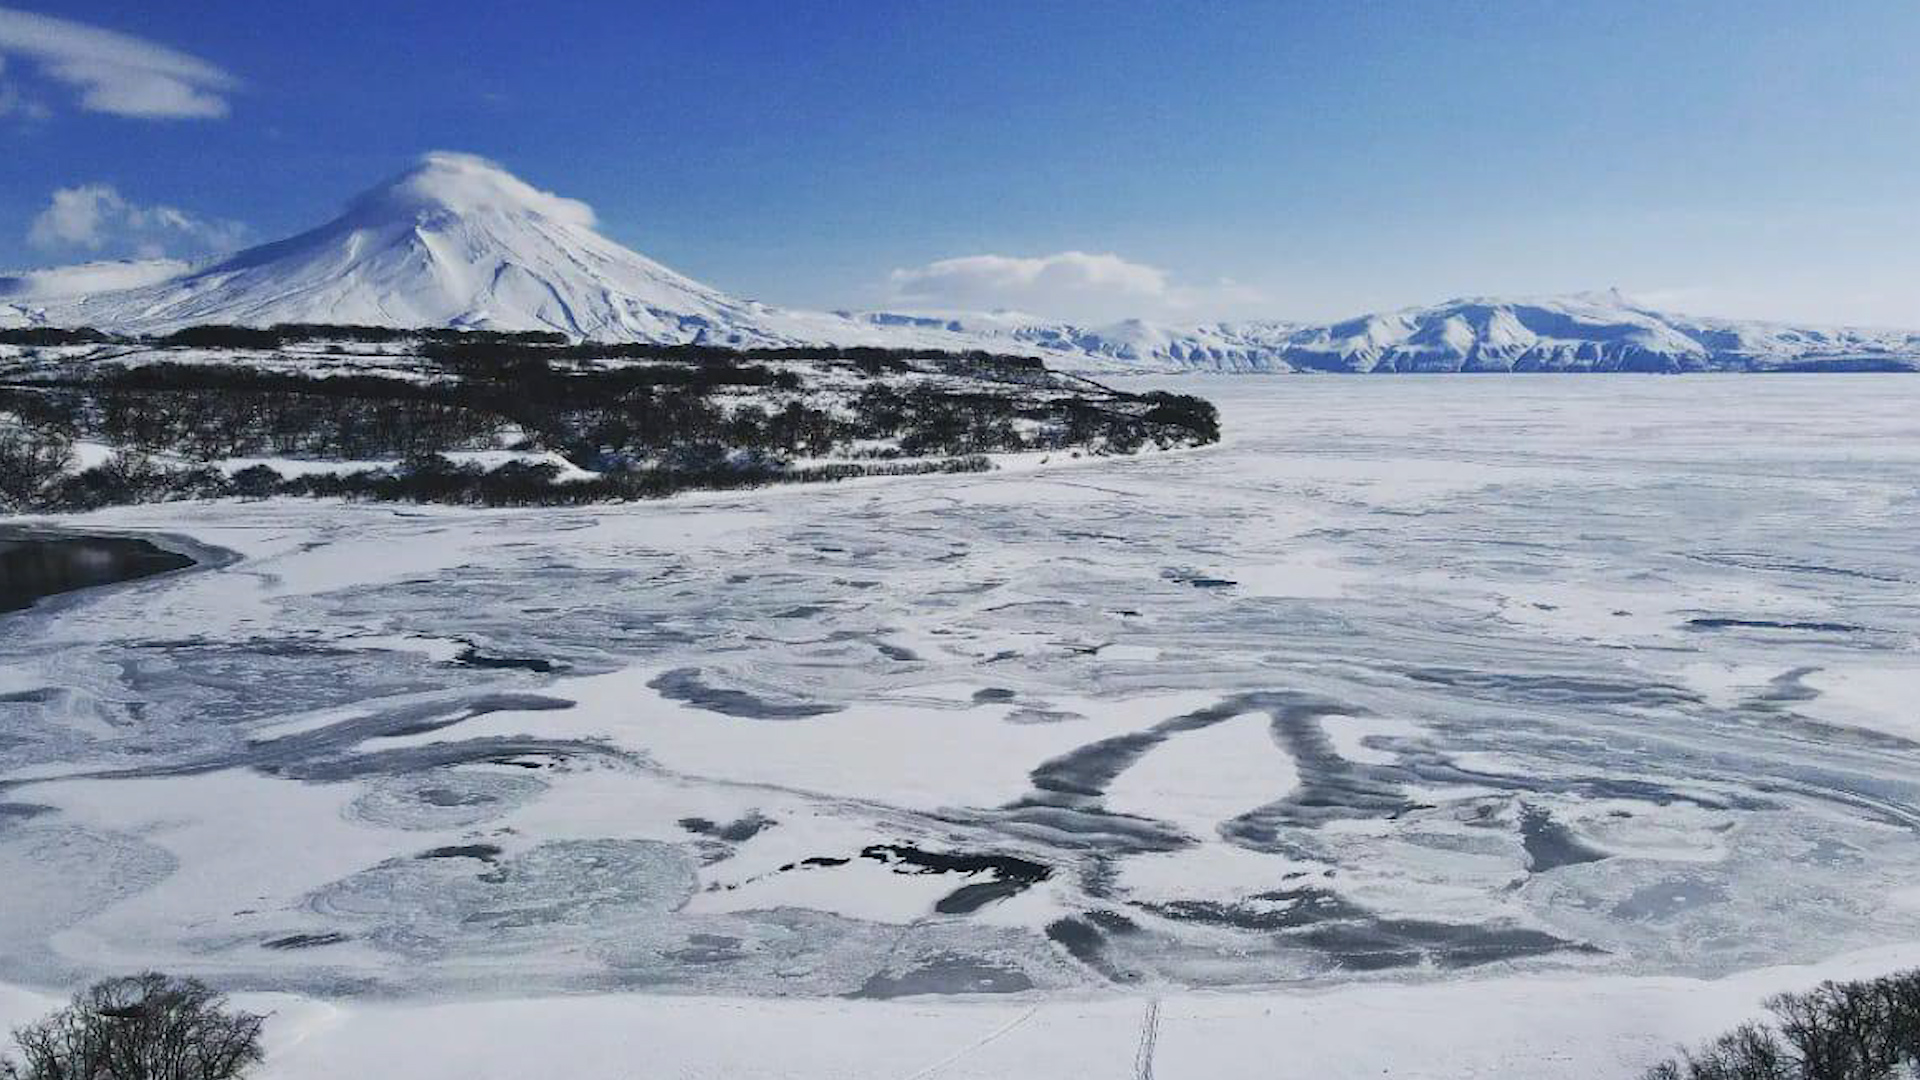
column 946, row 974
column 686, row 684
column 1550, row 845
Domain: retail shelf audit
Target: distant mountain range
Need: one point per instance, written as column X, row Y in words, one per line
column 458, row 241
column 1587, row 332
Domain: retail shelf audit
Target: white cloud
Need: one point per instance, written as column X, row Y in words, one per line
column 94, row 217
column 1067, row 284
column 115, row 73
column 469, row 183
column 74, row 217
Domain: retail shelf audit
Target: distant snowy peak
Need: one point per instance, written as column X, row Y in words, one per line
column 1589, row 332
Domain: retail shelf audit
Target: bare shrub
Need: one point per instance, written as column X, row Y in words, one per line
column 32, row 459
column 141, row 1027
column 1862, row 1030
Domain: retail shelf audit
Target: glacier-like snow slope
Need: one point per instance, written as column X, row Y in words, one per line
column 27, row 287
column 458, row 241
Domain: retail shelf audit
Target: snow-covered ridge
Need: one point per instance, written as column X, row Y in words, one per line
column 1592, row 332
column 458, row 241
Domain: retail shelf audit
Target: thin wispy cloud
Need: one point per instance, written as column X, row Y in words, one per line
column 108, row 72
column 1066, row 284
column 96, row 218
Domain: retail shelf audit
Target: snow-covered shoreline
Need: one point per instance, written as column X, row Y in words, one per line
column 1544, row 1027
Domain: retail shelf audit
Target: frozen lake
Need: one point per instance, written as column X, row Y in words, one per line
column 1411, row 679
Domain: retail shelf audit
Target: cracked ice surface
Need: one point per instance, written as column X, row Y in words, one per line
column 1409, row 677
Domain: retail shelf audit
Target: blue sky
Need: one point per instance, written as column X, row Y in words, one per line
column 1305, row 160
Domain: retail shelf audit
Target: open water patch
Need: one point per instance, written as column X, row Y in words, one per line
column 33, row 566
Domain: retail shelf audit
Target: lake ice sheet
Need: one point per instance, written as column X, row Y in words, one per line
column 1410, row 677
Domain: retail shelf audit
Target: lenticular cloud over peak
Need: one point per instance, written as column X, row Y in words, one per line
column 461, row 183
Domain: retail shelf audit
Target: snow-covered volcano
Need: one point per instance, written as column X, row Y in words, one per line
column 455, row 241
